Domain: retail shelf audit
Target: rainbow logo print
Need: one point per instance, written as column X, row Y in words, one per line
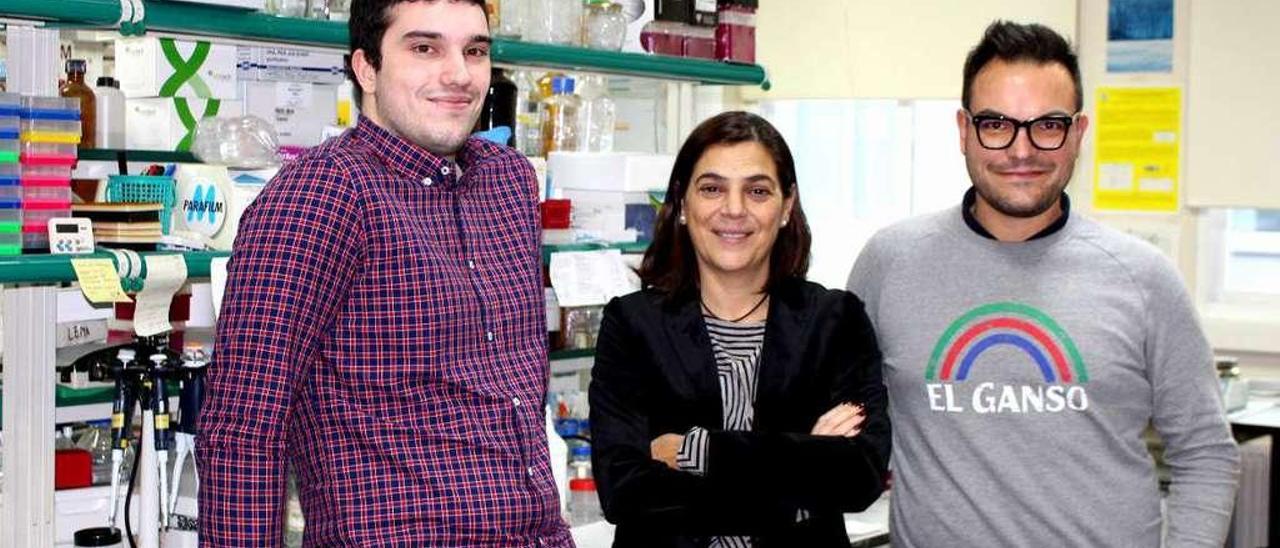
column 1013, row 324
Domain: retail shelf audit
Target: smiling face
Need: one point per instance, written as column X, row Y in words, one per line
column 733, row 208
column 434, row 73
column 1020, row 181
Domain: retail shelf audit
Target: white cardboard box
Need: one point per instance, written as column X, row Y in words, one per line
column 189, row 69
column 611, row 171
column 298, row 110
column 157, row 124
column 290, row 64
column 602, row 214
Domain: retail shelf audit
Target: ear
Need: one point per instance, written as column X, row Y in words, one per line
column 1081, row 126
column 365, row 73
column 787, row 205
column 962, row 124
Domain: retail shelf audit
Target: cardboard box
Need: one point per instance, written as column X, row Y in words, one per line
column 165, row 67
column 609, row 171
column 299, row 111
column 290, row 64
column 168, row 123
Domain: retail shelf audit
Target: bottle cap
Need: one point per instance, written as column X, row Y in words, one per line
column 77, row 66
column 107, row 82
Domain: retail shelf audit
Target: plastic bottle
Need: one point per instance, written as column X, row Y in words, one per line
column 499, row 111
column 580, row 461
column 76, row 88
column 598, row 115
column 560, row 121
column 584, row 503
column 96, row 439
column 110, row 107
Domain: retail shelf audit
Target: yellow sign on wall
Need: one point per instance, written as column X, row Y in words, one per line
column 1138, row 136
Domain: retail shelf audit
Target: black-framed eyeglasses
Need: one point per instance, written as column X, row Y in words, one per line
column 997, row 132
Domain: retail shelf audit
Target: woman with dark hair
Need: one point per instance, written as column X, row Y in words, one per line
column 733, row 403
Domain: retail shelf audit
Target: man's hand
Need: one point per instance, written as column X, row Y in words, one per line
column 664, row 449
column 842, row 420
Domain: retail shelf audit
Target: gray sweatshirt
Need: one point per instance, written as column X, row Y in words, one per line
column 1021, row 377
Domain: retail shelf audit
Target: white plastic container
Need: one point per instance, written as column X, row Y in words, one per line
column 110, row 131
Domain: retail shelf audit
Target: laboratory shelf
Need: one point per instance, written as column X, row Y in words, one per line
column 626, row 247
column 216, row 21
column 57, row 268
column 90, row 404
column 117, row 155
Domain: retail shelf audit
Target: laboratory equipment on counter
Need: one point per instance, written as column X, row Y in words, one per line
column 145, row 384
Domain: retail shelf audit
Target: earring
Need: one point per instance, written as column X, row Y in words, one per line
column 682, row 220
column 784, row 222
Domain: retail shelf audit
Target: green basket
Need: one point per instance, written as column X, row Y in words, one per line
column 144, row 189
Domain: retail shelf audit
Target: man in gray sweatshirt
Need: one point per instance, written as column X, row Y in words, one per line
column 1026, row 349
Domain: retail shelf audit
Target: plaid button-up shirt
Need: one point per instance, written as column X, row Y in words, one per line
column 383, row 334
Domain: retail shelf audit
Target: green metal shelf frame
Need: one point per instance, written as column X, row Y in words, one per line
column 218, row 21
column 113, row 155
column 35, row 269
column 626, row 247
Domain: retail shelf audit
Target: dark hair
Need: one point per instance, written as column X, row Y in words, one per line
column 366, row 25
column 669, row 263
column 1011, row 42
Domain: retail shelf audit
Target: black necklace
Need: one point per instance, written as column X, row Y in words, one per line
column 763, row 298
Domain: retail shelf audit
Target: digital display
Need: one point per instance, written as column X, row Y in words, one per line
column 66, row 229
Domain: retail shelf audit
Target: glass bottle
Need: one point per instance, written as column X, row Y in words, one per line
column 604, row 26
column 511, row 18
column 528, row 114
column 554, row 22
column 560, row 117
column 499, row 110
column 598, row 115
column 76, row 88
column 736, row 31
column 493, row 10
column 339, row 10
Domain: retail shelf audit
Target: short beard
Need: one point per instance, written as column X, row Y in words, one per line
column 1013, row 210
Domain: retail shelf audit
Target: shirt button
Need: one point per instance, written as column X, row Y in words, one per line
column 444, row 170
column 529, row 470
column 427, row 181
column 471, row 265
column 488, row 336
column 515, row 402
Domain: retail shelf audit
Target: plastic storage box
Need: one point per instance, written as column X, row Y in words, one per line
column 35, row 153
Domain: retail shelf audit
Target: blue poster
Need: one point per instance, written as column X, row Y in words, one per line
column 1140, row 36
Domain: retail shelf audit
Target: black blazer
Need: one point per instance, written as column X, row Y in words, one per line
column 655, row 373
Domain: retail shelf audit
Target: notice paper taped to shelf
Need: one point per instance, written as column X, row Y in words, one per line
column 165, row 274
column 590, row 278
column 99, row 281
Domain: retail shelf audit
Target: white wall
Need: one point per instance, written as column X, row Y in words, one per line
column 882, row 48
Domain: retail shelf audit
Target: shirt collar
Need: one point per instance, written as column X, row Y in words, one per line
column 416, row 163
column 971, row 197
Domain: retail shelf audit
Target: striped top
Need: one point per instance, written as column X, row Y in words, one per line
column 737, row 351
